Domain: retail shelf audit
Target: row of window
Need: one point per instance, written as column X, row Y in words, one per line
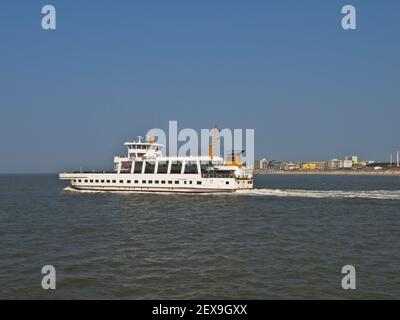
column 137, row 181
column 150, row 166
column 139, row 146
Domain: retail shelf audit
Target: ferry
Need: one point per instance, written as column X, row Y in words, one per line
column 145, row 169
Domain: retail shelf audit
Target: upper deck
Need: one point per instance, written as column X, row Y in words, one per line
column 145, row 157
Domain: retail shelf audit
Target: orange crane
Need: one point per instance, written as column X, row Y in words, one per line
column 214, row 139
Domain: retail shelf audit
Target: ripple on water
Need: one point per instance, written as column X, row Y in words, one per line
column 288, row 238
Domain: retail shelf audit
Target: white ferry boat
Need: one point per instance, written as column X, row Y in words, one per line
column 145, row 169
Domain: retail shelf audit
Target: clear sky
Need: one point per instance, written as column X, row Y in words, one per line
column 114, row 69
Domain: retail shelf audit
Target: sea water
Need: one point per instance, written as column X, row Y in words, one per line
column 287, row 238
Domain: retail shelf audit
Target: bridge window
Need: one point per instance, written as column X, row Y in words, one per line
column 150, row 167
column 162, row 167
column 191, row 167
column 138, row 167
column 126, row 166
column 176, row 167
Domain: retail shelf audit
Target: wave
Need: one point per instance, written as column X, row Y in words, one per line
column 70, row 189
column 337, row 194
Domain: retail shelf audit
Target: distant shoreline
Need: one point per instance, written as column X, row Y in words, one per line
column 330, row 172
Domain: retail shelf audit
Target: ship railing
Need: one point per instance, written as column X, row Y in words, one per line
column 243, row 177
column 94, row 171
column 217, row 175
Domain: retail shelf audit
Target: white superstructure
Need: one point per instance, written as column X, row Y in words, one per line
column 145, row 169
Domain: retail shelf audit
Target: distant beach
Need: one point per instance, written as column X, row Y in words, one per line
column 331, row 172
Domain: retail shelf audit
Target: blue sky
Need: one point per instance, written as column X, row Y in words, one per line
column 114, row 69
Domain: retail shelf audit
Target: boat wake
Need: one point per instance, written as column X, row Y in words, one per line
column 337, row 194
column 317, row 194
column 129, row 192
column 70, row 189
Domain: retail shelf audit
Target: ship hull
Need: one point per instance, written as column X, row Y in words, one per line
column 156, row 183
column 155, row 190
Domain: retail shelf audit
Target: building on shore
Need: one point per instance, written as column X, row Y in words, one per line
column 261, row 164
column 336, row 164
column 292, row 166
column 309, row 166
column 354, row 159
column 349, row 163
column 319, row 165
